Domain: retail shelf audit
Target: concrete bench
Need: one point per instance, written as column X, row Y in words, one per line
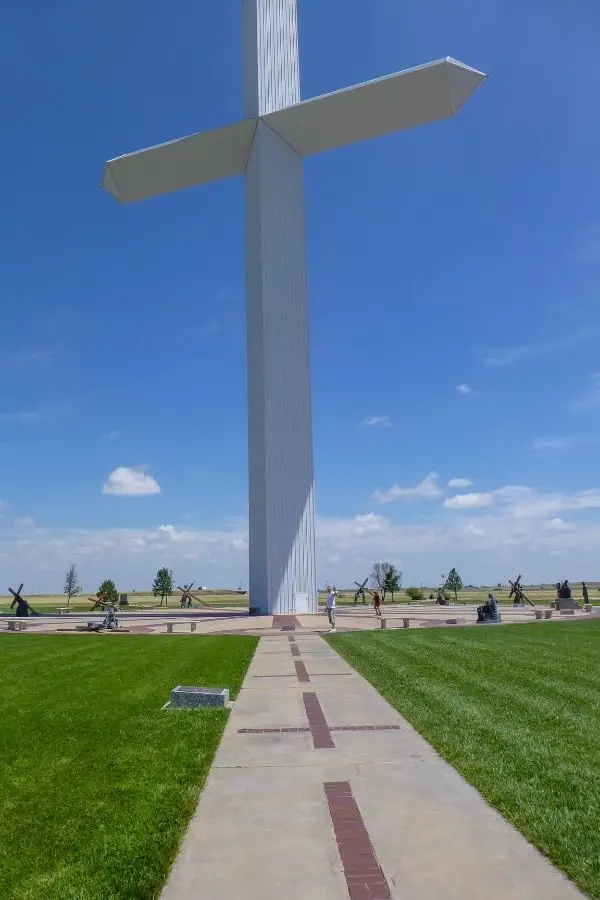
column 588, row 607
column 63, row 610
column 539, row 613
column 548, row 613
column 17, row 626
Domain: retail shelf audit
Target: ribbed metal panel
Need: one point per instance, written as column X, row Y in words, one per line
column 271, row 60
column 282, row 539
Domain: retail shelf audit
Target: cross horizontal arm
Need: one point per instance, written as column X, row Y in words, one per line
column 413, row 97
column 190, row 161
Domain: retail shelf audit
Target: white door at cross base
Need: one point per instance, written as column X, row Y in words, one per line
column 300, row 603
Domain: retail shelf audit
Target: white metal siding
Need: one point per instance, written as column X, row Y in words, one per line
column 271, row 60
column 282, row 540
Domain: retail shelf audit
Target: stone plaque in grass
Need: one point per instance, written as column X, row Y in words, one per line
column 188, row 697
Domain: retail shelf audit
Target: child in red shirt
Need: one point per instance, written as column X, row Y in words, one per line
column 377, row 603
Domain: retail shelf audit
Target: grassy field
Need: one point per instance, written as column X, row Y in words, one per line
column 49, row 603
column 97, row 782
column 517, row 711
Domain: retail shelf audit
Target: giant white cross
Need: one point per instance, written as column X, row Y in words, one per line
column 268, row 146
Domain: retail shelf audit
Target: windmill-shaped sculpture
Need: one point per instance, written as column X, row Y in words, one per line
column 518, row 593
column 360, row 592
column 187, row 595
column 268, row 147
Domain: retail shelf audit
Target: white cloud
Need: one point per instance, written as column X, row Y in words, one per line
column 130, row 482
column 517, row 533
column 464, row 389
column 470, row 501
column 590, row 399
column 428, row 489
column 377, row 422
column 460, row 483
column 473, row 531
column 558, row 525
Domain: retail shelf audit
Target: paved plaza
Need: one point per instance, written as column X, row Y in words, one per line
column 349, row 618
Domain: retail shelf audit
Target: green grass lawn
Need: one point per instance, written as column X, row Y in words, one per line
column 97, row 782
column 516, row 710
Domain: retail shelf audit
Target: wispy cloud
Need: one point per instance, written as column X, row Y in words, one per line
column 464, row 389
column 43, row 414
column 113, row 435
column 460, row 483
column 562, row 443
column 428, row 489
column 587, row 244
column 590, row 399
column 377, row 422
column 130, row 482
column 523, row 352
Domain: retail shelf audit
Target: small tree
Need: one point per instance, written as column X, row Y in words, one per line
column 72, row 586
column 393, row 580
column 415, row 595
column 454, row 583
column 163, row 585
column 379, row 577
column 108, row 591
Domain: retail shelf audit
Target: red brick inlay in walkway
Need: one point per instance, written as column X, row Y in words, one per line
column 362, row 871
column 301, row 672
column 331, row 728
column 321, row 733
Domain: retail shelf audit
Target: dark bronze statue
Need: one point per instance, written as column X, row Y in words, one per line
column 23, row 607
column 489, row 612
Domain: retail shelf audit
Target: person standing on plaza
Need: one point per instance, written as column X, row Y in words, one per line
column 330, row 603
column 377, row 603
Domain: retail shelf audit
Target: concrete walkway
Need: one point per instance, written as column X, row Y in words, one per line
column 321, row 790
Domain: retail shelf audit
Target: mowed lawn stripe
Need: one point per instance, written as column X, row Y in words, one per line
column 516, row 710
column 97, row 782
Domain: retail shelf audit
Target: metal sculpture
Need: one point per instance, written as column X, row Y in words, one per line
column 23, row 607
column 518, row 593
column 187, row 595
column 361, row 591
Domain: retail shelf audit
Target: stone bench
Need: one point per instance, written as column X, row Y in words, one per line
column 539, row 613
column 17, row 626
column 405, row 623
column 63, row 610
column 588, row 607
column 548, row 613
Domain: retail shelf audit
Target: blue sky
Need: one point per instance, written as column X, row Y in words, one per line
column 454, row 282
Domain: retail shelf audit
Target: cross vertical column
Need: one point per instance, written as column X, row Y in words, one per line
column 280, row 447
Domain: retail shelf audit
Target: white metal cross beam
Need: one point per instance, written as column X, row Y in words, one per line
column 397, row 102
column 268, row 146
